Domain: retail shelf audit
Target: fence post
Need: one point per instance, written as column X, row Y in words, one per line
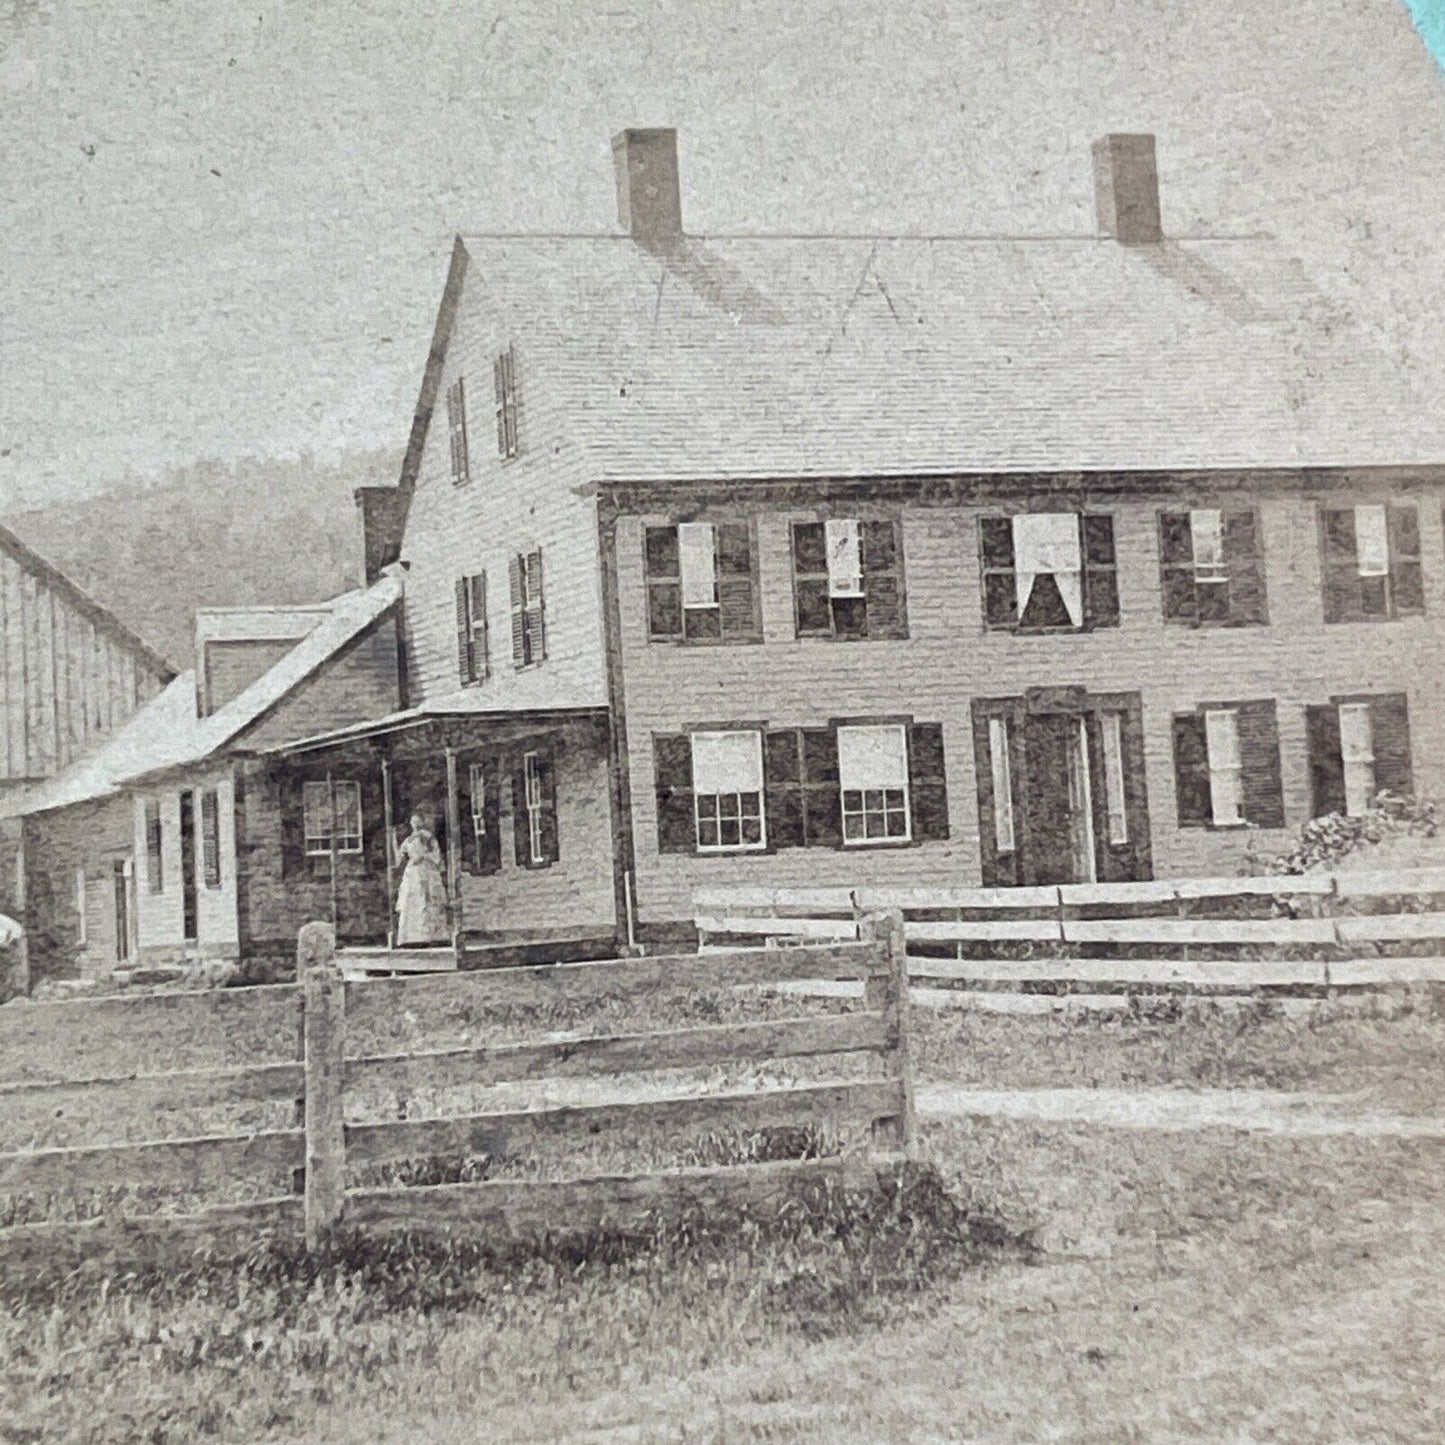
column 323, row 999
column 886, row 991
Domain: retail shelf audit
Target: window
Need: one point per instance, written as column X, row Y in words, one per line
column 1359, row 747
column 848, row 579
column 155, row 878
column 700, row 583
column 477, row 794
column 82, row 924
column 529, row 636
column 504, row 374
column 316, row 808
column 210, row 839
column 1371, row 563
column 1226, row 766
column 1211, row 567
column 1003, row 793
column 534, row 811
column 1111, row 732
column 873, row 777
column 1049, row 572
column 785, row 787
column 457, row 430
column 472, row 655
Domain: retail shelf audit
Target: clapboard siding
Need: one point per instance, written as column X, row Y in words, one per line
column 508, row 507
column 949, row 659
column 67, row 680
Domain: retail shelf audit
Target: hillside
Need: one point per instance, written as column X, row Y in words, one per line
column 209, row 535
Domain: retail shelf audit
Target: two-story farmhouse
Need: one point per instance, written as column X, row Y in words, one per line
column 782, row 559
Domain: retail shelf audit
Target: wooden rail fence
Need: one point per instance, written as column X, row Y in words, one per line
column 1312, row 931
column 310, row 1046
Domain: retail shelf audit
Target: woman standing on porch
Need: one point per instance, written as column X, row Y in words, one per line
column 421, row 901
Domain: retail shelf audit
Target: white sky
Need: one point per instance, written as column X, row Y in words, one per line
column 152, row 311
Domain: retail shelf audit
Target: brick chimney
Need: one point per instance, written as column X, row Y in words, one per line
column 378, row 514
column 649, row 199
column 1126, row 189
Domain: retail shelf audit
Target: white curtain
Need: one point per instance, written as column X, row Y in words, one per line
column 1357, row 753
column 1206, row 534
column 1221, row 733
column 1372, row 541
column 727, row 762
column 872, row 757
column 1049, row 542
column 845, row 560
column 697, row 552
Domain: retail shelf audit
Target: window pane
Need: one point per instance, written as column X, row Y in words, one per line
column 872, row 757
column 697, row 548
column 1212, row 597
column 1359, row 787
column 1372, row 541
column 845, row 561
column 1221, row 731
column 1356, row 742
column 727, row 762
column 1206, row 535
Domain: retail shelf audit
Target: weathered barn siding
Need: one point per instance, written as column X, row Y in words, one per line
column 949, row 659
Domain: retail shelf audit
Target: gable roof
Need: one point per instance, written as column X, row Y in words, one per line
column 87, row 606
column 167, row 734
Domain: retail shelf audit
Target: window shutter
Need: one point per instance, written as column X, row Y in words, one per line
column 1340, row 561
column 1000, row 585
column 812, row 609
column 1101, row 583
column 293, row 824
column 521, row 836
column 1327, row 767
column 1390, row 724
column 211, row 838
column 467, row 853
column 672, row 770
column 664, row 582
column 514, row 577
column 883, row 579
column 1176, row 568
column 373, row 820
column 737, row 594
column 1191, row 770
column 536, row 606
column 466, row 665
column 1259, row 764
column 1407, row 584
column 927, row 782
column 499, row 380
column 1245, row 562
column 783, row 780
column 822, row 796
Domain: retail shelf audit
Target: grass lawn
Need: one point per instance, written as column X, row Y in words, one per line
column 1206, row 1285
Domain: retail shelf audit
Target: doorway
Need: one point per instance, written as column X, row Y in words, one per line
column 1058, row 801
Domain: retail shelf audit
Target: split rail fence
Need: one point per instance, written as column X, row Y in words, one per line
column 1304, row 933
column 308, row 1046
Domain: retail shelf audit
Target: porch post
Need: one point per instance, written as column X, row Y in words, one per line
column 454, row 844
column 331, row 803
column 390, row 826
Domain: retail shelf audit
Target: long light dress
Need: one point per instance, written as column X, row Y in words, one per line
column 421, row 901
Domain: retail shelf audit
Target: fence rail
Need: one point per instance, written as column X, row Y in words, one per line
column 314, row 1056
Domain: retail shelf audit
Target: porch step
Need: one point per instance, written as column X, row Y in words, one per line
column 360, row 962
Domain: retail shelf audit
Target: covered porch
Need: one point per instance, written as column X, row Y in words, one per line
column 521, row 807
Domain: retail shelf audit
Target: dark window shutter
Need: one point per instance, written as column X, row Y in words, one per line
column 1244, row 559
column 547, row 783
column 672, row 772
column 927, row 782
column 210, row 838
column 521, row 833
column 1000, row 584
column 1191, row 770
column 1407, row 583
column 664, row 582
column 882, row 544
column 1340, row 561
column 1101, row 583
column 1390, row 730
column 822, row 797
column 737, row 591
column 466, row 662
column 293, row 824
column 536, row 607
column 1259, row 764
column 467, row 853
column 373, row 819
column 1327, row 768
column 783, row 779
column 499, row 381
column 514, row 577
column 491, row 854
column 1176, row 568
column 813, row 615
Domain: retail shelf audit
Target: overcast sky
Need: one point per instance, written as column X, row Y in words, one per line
column 225, row 226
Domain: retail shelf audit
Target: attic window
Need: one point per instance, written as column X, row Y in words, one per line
column 457, row 427
column 504, row 374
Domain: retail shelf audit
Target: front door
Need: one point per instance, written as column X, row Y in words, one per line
column 1058, row 805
